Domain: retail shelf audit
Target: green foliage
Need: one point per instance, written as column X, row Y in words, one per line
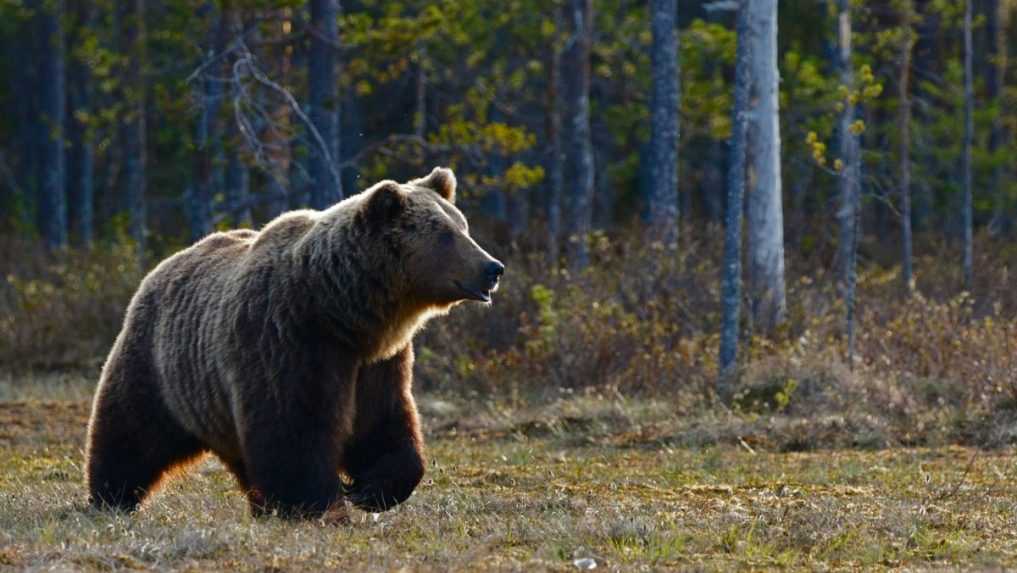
column 770, row 396
column 484, row 70
column 707, row 50
column 459, row 47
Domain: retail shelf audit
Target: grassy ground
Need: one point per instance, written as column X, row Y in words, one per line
column 541, row 488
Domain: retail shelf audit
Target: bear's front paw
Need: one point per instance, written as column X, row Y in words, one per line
column 337, row 514
column 388, row 482
column 371, row 497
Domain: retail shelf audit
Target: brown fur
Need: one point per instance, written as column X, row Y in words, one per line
column 287, row 353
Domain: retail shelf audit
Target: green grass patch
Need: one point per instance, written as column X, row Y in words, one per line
column 500, row 498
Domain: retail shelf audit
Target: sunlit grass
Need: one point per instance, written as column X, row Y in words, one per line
column 505, row 492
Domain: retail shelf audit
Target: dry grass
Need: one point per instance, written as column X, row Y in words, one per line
column 936, row 369
column 575, row 420
column 533, row 487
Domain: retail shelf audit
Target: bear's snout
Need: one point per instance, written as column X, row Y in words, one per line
column 492, row 272
column 480, row 286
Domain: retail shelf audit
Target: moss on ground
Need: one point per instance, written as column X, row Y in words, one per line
column 536, row 493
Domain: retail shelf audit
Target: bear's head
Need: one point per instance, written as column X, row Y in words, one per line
column 418, row 220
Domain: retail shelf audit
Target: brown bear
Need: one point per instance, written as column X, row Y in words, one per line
column 287, row 353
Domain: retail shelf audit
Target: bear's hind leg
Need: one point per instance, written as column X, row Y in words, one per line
column 132, row 442
column 255, row 500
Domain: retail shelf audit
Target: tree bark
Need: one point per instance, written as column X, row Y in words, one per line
column 208, row 134
column 849, row 212
column 326, row 188
column 968, row 139
column 664, row 127
column 554, row 157
column 904, row 133
column 765, row 210
column 420, row 95
column 25, row 164
column 732, row 276
column 929, row 52
column 81, row 157
column 52, row 192
column 299, row 192
column 131, row 22
column 238, row 190
column 847, row 143
column 581, row 188
column 998, row 19
column 712, row 190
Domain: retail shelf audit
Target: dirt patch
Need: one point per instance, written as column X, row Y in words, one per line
column 32, row 423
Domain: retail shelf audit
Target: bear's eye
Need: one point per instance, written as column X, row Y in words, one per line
column 446, row 238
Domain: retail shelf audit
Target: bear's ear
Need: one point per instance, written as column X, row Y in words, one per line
column 386, row 201
column 442, row 181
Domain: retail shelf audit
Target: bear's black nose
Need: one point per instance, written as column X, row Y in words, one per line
column 494, row 271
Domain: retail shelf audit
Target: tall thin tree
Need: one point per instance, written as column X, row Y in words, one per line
column 664, row 122
column 997, row 24
column 581, row 188
column 131, row 23
column 969, row 133
column 25, row 79
column 237, row 184
column 420, row 89
column 765, row 208
column 326, row 186
column 52, row 194
column 207, row 130
column 732, row 274
column 848, row 211
column 904, row 134
column 297, row 194
column 81, row 153
column 554, row 159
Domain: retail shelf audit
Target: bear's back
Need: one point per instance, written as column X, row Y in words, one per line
column 178, row 316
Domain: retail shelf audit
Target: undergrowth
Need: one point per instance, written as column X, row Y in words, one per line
column 939, row 366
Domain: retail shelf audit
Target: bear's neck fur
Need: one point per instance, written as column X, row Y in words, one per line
column 353, row 286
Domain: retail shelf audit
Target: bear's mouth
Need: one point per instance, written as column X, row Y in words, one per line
column 474, row 294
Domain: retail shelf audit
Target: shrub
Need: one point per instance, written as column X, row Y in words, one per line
column 939, row 365
column 62, row 311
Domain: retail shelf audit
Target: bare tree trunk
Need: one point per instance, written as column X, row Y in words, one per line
column 582, row 188
column 904, row 132
column 928, row 53
column 52, row 192
column 518, row 212
column 81, row 160
column 998, row 19
column 131, row 21
column 238, row 190
column 712, row 189
column 850, row 171
column 326, row 188
column 803, row 176
column 732, row 279
column 298, row 192
column 968, row 139
column 420, row 113
column 847, row 142
column 26, row 80
column 765, row 210
column 664, row 123
column 207, row 134
column 554, row 157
